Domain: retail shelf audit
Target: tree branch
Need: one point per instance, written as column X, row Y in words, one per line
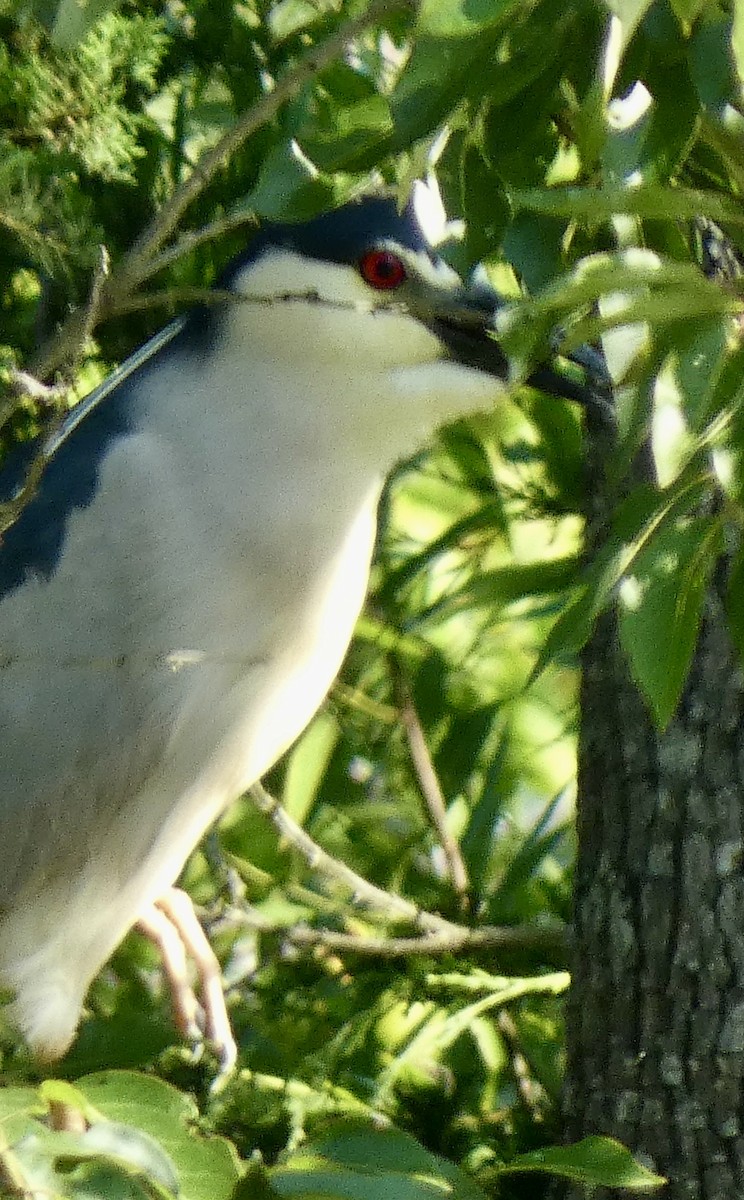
column 431, row 789
column 390, row 905
column 438, row 935
column 508, row 938
column 552, row 939
column 193, row 238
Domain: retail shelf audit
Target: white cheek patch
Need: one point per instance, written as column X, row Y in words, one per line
column 282, row 274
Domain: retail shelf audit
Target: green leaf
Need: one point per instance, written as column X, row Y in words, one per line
column 635, row 525
column 737, row 38
column 541, row 1042
column 454, row 41
column 649, row 200
column 133, row 1149
column 648, row 290
column 661, row 602
column 485, row 204
column 688, row 10
column 131, row 1163
column 698, row 358
column 528, row 859
column 713, row 66
column 354, row 1161
column 573, row 628
column 488, row 518
column 571, row 631
column 307, row 765
column 288, row 189
column 461, row 18
column 290, row 16
column 505, row 585
column 350, row 136
column 653, row 148
column 594, row 1161
column 534, row 245
column 207, row 1167
column 629, row 14
column 476, row 844
column 30, row 1164
column 18, row 1107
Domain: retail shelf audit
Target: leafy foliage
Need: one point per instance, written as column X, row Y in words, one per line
column 423, row 1005
column 69, row 121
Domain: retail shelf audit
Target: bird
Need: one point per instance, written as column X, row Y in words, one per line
column 179, row 590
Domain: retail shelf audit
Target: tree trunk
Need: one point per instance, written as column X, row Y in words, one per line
column 656, row 1015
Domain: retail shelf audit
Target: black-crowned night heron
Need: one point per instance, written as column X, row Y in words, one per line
column 177, row 596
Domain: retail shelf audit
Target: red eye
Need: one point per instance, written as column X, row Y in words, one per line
column 382, row 269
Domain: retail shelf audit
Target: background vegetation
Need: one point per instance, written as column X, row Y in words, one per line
column 407, row 982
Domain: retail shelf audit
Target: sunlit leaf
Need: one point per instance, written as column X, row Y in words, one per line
column 595, row 1161
column 357, row 1162
column 661, row 604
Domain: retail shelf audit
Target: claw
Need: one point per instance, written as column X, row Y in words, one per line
column 172, row 925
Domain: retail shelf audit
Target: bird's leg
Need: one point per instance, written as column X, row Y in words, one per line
column 160, row 930
column 172, row 925
column 177, row 906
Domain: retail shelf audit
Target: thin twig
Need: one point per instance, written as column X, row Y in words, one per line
column 24, row 386
column 439, row 936
column 533, row 1094
column 27, row 386
column 309, row 65
column 431, row 789
column 391, row 905
column 135, row 265
column 550, row 939
column 326, row 1095
column 189, row 241
column 177, row 297
column 510, row 938
column 95, row 300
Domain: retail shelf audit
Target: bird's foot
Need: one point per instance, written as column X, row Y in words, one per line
column 172, row 925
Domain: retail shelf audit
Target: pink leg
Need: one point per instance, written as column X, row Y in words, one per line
column 172, row 925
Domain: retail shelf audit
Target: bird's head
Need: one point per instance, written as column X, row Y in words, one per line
column 362, row 286
column 363, row 289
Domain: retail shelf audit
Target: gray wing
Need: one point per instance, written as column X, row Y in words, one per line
column 85, row 707
column 87, row 702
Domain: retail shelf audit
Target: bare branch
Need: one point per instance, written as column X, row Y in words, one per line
column 390, row 905
column 95, row 299
column 552, row 939
column 189, row 241
column 309, row 65
column 533, row 1094
column 177, row 297
column 430, row 788
column 438, row 936
column 27, row 386
column 490, row 937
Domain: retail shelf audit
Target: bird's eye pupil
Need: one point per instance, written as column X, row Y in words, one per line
column 382, row 269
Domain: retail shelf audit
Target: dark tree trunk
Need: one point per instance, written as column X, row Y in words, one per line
column 656, row 1016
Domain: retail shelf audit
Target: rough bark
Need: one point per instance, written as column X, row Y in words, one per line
column 656, row 1016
